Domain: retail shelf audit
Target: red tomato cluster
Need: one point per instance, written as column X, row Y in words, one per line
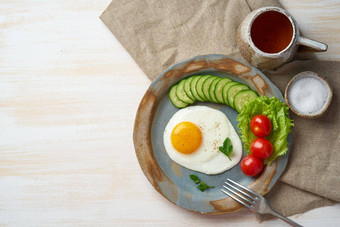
column 260, row 148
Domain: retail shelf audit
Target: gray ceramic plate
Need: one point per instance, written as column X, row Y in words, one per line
column 169, row 178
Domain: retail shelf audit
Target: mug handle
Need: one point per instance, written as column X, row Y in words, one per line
column 311, row 45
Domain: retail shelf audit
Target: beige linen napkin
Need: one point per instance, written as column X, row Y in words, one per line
column 159, row 33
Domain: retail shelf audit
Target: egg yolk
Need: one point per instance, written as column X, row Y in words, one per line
column 186, row 137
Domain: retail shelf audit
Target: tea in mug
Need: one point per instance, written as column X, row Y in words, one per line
column 271, row 32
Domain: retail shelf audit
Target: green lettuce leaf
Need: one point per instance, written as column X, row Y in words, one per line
column 277, row 112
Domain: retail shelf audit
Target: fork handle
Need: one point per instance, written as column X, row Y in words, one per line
column 290, row 222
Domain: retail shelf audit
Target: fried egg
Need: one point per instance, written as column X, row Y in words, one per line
column 193, row 136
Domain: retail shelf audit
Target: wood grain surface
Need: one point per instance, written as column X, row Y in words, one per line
column 68, row 97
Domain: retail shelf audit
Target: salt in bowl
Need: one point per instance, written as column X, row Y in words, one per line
column 308, row 94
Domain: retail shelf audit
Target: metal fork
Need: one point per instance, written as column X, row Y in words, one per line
column 252, row 200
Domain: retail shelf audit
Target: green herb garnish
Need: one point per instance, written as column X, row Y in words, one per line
column 227, row 148
column 195, row 178
column 202, row 186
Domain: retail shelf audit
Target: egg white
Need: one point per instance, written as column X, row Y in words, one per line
column 215, row 128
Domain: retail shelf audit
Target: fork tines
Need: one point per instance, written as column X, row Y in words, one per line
column 246, row 197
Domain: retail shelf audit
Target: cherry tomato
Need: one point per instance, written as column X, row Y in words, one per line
column 261, row 148
column 251, row 165
column 260, row 125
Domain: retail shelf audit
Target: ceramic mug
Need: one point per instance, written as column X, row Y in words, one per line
column 269, row 37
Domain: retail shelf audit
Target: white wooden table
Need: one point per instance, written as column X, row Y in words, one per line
column 68, row 97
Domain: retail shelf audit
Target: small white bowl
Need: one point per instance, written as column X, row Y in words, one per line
column 327, row 88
